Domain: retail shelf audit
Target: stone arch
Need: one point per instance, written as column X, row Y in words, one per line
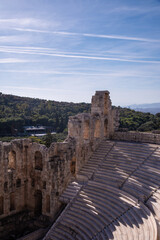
column 5, row 186
column 105, row 127
column 1, row 205
column 12, row 201
column 18, row 183
column 73, row 165
column 86, row 130
column 12, row 160
column 38, row 202
column 38, row 160
column 97, row 128
column 48, row 204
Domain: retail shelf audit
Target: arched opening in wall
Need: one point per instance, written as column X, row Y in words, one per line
column 86, row 130
column 12, row 160
column 97, row 128
column 12, row 201
column 38, row 160
column 48, row 204
column 18, row 183
column 38, row 203
column 105, row 127
column 73, row 165
column 5, row 186
column 1, row 205
column 106, row 103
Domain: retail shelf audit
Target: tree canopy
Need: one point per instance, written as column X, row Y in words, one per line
column 17, row 112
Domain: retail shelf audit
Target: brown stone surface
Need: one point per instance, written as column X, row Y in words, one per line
column 137, row 137
column 33, row 177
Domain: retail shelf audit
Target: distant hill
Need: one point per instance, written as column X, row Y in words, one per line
column 138, row 121
column 151, row 107
column 17, row 112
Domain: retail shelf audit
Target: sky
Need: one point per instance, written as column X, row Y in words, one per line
column 65, row 50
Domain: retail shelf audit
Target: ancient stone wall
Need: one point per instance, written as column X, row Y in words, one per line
column 137, row 137
column 32, row 178
column 90, row 128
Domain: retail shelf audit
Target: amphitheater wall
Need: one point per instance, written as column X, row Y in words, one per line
column 32, row 177
column 137, row 137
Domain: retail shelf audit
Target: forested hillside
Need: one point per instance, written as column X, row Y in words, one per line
column 17, row 112
column 138, row 121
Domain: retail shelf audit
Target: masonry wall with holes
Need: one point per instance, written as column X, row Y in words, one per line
column 32, row 178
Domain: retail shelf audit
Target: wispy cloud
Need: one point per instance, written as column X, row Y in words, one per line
column 34, row 51
column 113, row 74
column 135, row 10
column 15, row 39
column 105, row 36
column 28, row 88
column 14, row 60
column 23, row 22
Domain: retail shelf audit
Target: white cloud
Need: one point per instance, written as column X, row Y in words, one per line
column 14, row 60
column 110, row 74
column 135, row 10
column 14, row 39
column 118, row 37
column 23, row 22
column 34, row 51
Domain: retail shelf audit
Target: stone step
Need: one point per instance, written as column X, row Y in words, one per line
column 113, row 172
column 140, row 181
column 65, row 231
column 80, row 226
column 84, row 212
column 133, row 150
column 135, row 191
column 116, row 191
column 152, row 180
column 124, row 157
column 97, row 213
column 108, row 215
column 132, row 145
column 115, row 177
column 70, row 192
column 102, row 199
column 154, row 165
column 100, row 210
column 77, row 228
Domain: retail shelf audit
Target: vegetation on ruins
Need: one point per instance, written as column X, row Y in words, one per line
column 17, row 112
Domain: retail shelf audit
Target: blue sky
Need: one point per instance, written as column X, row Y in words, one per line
column 65, row 50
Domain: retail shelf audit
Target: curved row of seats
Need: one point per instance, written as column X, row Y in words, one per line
column 121, row 163
column 104, row 212
column 121, row 178
column 91, row 166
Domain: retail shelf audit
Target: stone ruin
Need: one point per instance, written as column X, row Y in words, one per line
column 34, row 177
